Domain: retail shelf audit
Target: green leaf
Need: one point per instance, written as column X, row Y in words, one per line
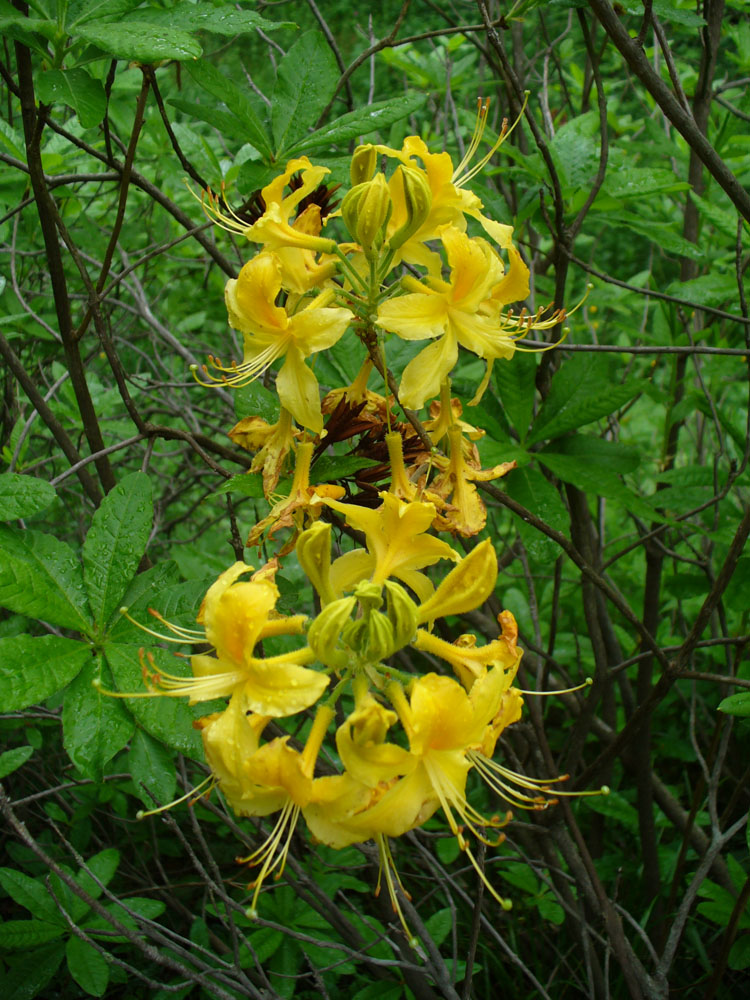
column 102, row 865
column 211, row 80
column 364, row 121
column 34, row 667
column 115, row 544
column 23, row 496
column 254, row 400
column 332, row 468
column 167, row 719
column 80, row 11
column 593, row 479
column 33, row 970
column 658, row 232
column 739, row 956
column 76, row 89
column 609, row 456
column 140, row 41
column 228, row 124
column 19, row 935
column 226, row 20
column 529, row 487
column 151, row 765
column 32, row 895
column 305, row 82
column 87, row 966
column 146, row 590
column 40, row 577
column 11, row 760
column 439, row 925
column 95, row 726
column 249, row 484
column 515, row 385
column 583, row 390
column 736, row 704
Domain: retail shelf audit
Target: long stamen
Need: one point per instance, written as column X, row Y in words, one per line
column 194, row 794
column 192, row 635
column 269, row 854
column 543, row 694
column 483, row 107
column 388, row 868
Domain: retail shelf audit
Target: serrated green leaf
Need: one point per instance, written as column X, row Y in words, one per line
column 140, row 41
column 215, row 83
column 514, row 382
column 736, row 704
column 115, row 544
column 372, row 118
column 659, row 233
column 32, row 895
column 40, row 577
column 249, row 484
column 151, row 767
column 87, row 966
column 19, row 935
column 76, row 89
column 254, row 400
column 95, row 726
column 81, row 11
column 229, row 125
column 305, row 82
column 332, row 468
column 582, row 390
column 225, row 20
column 529, row 487
column 11, row 760
column 34, row 667
column 167, row 719
column 32, row 971
column 23, row 496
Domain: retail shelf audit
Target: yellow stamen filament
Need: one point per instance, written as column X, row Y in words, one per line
column 483, row 107
column 210, row 205
column 388, row 868
column 270, row 854
column 194, row 794
column 470, row 816
column 544, row 694
column 191, row 635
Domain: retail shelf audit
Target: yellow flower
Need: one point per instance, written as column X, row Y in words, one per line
column 466, row 514
column 457, row 311
column 272, row 331
column 259, row 780
column 469, row 661
column 237, row 614
column 273, row 229
column 271, row 442
column 396, row 545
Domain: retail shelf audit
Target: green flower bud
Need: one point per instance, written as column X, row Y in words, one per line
column 364, row 160
column 402, row 613
column 418, row 201
column 380, row 641
column 314, row 555
column 323, row 635
column 366, row 210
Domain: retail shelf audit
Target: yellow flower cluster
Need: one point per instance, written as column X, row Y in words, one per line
column 384, row 746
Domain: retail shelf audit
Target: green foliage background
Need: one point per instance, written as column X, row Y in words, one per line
column 620, row 536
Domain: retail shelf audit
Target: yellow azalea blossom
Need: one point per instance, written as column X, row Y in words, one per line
column 467, row 586
column 271, row 442
column 274, row 229
column 237, row 614
column 466, row 514
column 457, row 311
column 272, row 332
column 303, row 500
column 469, row 661
column 397, row 545
column 451, row 201
column 260, row 780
